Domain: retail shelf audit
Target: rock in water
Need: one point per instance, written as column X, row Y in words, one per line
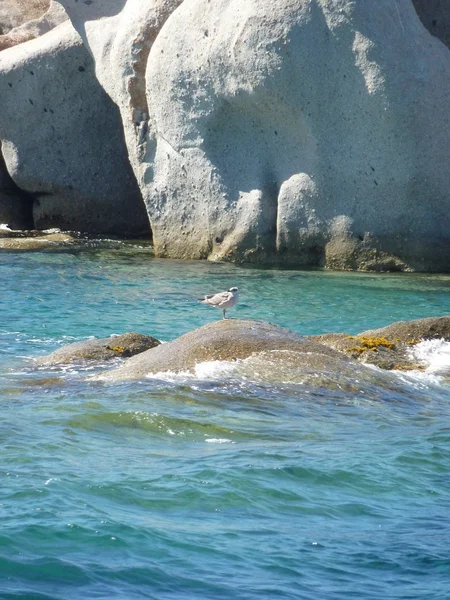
column 116, row 346
column 389, row 347
column 306, row 132
column 302, row 131
column 226, row 340
column 431, row 328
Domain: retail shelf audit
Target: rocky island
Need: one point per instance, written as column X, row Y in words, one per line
column 277, row 353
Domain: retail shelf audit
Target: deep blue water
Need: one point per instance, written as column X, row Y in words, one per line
column 214, row 488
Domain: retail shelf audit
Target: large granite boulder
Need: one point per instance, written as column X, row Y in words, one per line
column 309, row 132
column 119, row 35
column 62, row 139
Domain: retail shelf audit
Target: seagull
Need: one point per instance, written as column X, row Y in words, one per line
column 222, row 300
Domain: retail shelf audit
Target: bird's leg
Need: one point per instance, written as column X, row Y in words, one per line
column 224, row 311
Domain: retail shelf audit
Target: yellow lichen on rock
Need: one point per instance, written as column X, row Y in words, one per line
column 119, row 349
column 370, row 343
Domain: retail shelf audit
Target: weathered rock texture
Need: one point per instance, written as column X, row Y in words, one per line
column 272, row 353
column 36, row 26
column 389, row 347
column 62, row 139
column 119, row 34
column 431, row 328
column 265, row 353
column 309, row 132
column 226, row 340
column 118, row 346
column 260, row 352
column 14, row 13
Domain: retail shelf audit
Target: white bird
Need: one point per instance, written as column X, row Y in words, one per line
column 222, row 300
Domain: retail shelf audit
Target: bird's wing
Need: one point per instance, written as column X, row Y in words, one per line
column 220, row 298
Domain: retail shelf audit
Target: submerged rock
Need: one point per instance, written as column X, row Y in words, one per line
column 118, row 346
column 228, row 340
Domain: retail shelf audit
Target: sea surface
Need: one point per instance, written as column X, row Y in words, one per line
column 216, row 485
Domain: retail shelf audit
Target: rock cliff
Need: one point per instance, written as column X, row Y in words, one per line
column 303, row 132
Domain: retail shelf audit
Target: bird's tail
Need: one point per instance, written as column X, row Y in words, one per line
column 205, row 299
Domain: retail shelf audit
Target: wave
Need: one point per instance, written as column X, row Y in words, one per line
column 434, row 355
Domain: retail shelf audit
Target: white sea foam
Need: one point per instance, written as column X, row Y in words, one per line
column 215, row 369
column 434, row 355
column 212, row 370
column 219, row 441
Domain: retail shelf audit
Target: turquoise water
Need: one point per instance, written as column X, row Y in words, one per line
column 215, row 487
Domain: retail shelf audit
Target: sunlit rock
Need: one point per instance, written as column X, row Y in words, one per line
column 389, row 347
column 118, row 346
column 62, row 140
column 309, row 132
column 227, row 340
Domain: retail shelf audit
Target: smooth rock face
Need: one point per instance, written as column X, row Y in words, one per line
column 119, row 34
column 308, row 132
column 225, row 340
column 62, row 140
column 116, row 346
